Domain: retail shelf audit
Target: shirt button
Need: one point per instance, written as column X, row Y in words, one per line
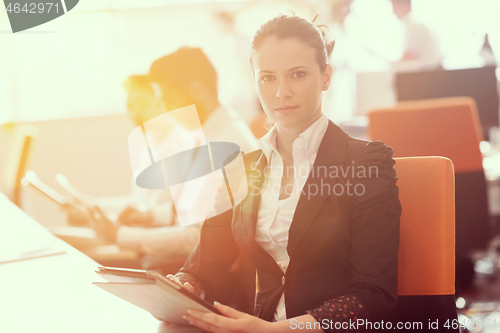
column 283, row 280
column 299, row 147
column 283, row 265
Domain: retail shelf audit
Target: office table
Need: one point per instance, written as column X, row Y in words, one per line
column 55, row 293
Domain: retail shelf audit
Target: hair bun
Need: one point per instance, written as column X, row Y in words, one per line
column 329, row 45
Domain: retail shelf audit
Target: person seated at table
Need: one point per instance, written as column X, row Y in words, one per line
column 325, row 243
column 176, row 80
column 421, row 50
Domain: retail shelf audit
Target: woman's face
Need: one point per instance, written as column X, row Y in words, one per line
column 289, row 82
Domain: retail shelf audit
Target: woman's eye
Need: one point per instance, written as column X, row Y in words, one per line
column 298, row 74
column 267, row 78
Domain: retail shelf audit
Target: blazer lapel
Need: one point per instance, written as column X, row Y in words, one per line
column 249, row 208
column 246, row 214
column 331, row 151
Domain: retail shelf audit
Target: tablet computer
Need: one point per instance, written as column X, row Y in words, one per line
column 152, row 292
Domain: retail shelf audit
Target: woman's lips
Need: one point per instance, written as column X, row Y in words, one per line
column 286, row 109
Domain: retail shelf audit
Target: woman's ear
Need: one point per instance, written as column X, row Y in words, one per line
column 327, row 77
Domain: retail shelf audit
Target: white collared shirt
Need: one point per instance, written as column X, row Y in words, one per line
column 275, row 216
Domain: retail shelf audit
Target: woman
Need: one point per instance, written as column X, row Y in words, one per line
column 325, row 244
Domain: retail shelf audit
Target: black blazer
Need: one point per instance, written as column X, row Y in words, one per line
column 339, row 244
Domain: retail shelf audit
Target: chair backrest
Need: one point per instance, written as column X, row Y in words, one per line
column 427, row 236
column 16, row 163
column 426, row 272
column 443, row 127
column 478, row 83
column 446, row 127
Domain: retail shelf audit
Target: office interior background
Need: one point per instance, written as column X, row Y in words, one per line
column 66, row 77
column 64, row 81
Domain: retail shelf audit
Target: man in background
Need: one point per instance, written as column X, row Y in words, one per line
column 149, row 222
column 183, row 78
column 420, row 46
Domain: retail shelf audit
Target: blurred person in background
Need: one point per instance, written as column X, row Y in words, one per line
column 182, row 78
column 368, row 38
column 420, row 50
column 374, row 35
column 142, row 207
column 179, row 79
column 340, row 101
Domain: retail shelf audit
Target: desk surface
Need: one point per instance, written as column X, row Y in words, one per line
column 55, row 294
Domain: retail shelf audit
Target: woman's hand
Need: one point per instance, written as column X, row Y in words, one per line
column 186, row 285
column 231, row 321
column 136, row 217
column 103, row 226
column 76, row 214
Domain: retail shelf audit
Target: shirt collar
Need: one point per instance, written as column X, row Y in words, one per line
column 311, row 138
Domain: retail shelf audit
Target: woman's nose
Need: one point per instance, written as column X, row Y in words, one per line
column 284, row 90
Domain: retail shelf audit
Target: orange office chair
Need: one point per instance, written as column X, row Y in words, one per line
column 17, row 160
column 426, row 271
column 447, row 127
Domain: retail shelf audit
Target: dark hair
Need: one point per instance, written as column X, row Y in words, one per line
column 181, row 68
column 291, row 26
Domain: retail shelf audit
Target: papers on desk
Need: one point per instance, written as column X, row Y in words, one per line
column 20, row 243
column 18, row 254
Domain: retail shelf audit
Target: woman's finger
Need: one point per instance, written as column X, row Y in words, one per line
column 229, row 311
column 188, row 286
column 174, row 279
column 201, row 324
column 211, row 318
